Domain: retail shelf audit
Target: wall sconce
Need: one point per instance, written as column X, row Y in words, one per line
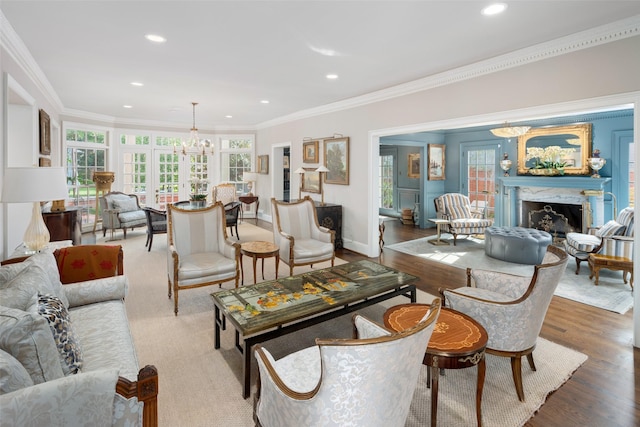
column 322, row 170
column 300, row 171
column 506, row 164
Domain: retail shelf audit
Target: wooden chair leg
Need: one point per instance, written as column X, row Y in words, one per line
column 578, row 265
column 169, row 286
column 175, row 300
column 516, row 369
column 531, row 362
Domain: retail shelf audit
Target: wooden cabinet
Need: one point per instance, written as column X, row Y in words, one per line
column 330, row 216
column 64, row 225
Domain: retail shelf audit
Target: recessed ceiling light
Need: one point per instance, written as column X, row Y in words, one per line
column 137, row 84
column 494, row 9
column 155, row 38
column 127, row 106
column 332, row 76
column 228, row 116
column 265, row 101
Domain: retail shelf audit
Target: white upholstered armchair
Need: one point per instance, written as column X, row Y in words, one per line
column 199, row 251
column 302, row 241
column 366, row 381
column 463, row 218
column 614, row 238
column 511, row 308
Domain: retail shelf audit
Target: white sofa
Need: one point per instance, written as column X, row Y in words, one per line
column 38, row 385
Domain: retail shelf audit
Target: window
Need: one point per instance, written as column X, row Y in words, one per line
column 386, row 182
column 236, row 157
column 86, row 153
column 481, row 175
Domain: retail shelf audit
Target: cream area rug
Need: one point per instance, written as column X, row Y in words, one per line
column 611, row 293
column 201, row 386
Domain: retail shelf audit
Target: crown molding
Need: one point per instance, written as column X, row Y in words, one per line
column 615, row 31
column 16, row 48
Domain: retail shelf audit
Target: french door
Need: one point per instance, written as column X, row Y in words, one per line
column 479, row 176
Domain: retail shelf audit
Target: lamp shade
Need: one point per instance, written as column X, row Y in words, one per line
column 249, row 177
column 322, row 169
column 300, row 170
column 34, row 184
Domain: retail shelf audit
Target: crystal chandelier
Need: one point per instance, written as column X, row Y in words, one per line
column 194, row 141
column 510, row 131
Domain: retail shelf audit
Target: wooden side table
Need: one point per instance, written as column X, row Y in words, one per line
column 457, row 342
column 248, row 200
column 597, row 261
column 259, row 250
column 439, row 222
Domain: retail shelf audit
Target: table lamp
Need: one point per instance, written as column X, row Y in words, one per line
column 250, row 177
column 322, row 170
column 301, row 172
column 33, row 184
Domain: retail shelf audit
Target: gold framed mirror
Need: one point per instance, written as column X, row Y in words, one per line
column 575, row 140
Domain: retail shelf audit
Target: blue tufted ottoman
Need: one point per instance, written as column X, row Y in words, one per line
column 516, row 244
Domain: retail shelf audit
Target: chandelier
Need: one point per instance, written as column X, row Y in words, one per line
column 194, row 141
column 510, row 131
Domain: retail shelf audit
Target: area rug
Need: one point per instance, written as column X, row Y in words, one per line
column 611, row 293
column 201, row 386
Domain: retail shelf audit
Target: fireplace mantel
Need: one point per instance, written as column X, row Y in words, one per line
column 509, row 198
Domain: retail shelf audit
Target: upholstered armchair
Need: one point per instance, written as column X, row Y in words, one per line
column 614, row 238
column 463, row 218
column 365, row 381
column 121, row 211
column 302, row 241
column 156, row 224
column 199, row 252
column 511, row 308
column 225, row 193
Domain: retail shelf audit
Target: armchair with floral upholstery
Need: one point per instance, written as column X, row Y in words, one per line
column 614, row 238
column 463, row 218
column 511, row 308
column 366, row 381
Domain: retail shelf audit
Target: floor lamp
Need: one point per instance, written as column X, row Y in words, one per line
column 21, row 185
column 300, row 171
column 322, row 170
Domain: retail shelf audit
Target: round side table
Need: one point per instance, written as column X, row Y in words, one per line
column 457, row 342
column 259, row 250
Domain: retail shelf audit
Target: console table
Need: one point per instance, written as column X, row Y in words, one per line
column 64, row 225
column 247, row 200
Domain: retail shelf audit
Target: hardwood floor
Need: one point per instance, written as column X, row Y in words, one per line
column 604, row 391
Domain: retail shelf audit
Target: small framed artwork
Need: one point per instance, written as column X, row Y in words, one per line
column 310, row 151
column 285, row 162
column 413, row 168
column 311, row 181
column 45, row 162
column 336, row 159
column 263, row 164
column 436, row 162
column 45, row 133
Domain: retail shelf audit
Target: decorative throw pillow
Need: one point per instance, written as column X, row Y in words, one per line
column 13, row 376
column 611, row 228
column 9, row 271
column 87, row 262
column 27, row 337
column 52, row 309
column 127, row 204
column 18, row 292
column 47, row 261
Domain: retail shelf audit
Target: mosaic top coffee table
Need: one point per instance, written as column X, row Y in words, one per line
column 274, row 308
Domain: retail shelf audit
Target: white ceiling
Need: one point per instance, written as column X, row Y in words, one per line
column 230, row 55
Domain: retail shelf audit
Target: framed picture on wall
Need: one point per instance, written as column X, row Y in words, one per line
column 336, row 159
column 310, row 151
column 44, row 162
column 45, row 133
column 263, row 164
column 311, row 181
column 436, row 162
column 413, row 168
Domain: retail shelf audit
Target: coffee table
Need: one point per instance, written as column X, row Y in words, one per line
column 257, row 250
column 274, row 308
column 597, row 261
column 457, row 342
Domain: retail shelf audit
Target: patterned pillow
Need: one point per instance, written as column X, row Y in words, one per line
column 125, row 204
column 47, row 261
column 18, row 292
column 13, row 376
column 51, row 308
column 611, row 228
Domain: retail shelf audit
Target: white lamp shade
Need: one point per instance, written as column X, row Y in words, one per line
column 322, row 169
column 300, row 170
column 249, row 177
column 34, row 185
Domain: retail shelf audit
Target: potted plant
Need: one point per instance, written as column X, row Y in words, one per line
column 198, row 197
column 548, row 160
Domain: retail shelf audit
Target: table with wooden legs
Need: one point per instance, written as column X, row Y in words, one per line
column 457, row 342
column 259, row 250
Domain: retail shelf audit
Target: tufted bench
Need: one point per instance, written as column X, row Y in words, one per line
column 516, row 244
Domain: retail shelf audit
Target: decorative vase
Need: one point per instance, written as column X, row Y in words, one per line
column 198, row 204
column 545, row 172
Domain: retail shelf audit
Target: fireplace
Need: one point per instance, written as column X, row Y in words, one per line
column 580, row 199
column 555, row 218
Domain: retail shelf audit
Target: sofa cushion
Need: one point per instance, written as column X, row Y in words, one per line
column 611, row 228
column 51, row 308
column 13, row 376
column 125, row 204
column 47, row 261
column 77, row 265
column 27, row 337
column 18, row 292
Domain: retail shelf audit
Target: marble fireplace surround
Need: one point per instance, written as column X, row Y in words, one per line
column 584, row 191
